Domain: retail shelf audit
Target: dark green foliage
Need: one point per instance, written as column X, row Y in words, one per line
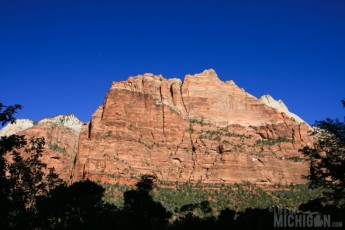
column 29, row 199
column 273, row 141
column 142, row 212
column 190, row 129
column 78, row 206
column 22, row 177
column 258, row 218
column 295, row 159
column 238, row 197
column 199, row 121
column 56, row 147
column 218, row 134
column 327, row 157
column 7, row 112
column 194, row 201
column 114, row 193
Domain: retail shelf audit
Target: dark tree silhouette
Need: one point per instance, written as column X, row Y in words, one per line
column 255, row 219
column 226, row 219
column 327, row 157
column 22, row 176
column 7, row 112
column 141, row 210
column 78, row 206
column 29, row 199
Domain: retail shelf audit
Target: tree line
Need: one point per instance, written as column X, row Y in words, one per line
column 33, row 196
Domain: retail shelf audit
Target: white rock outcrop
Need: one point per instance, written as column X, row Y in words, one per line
column 18, row 126
column 69, row 121
column 280, row 106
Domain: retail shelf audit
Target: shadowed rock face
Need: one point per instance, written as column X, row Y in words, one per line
column 202, row 130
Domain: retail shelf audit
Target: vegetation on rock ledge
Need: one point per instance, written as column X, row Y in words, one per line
column 30, row 199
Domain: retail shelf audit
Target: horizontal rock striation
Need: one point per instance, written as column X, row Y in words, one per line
column 201, row 130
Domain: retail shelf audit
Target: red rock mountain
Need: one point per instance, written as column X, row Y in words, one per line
column 61, row 134
column 201, row 130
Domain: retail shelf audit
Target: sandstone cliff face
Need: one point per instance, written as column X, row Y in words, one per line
column 61, row 134
column 201, row 130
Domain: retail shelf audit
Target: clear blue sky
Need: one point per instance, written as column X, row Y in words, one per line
column 59, row 57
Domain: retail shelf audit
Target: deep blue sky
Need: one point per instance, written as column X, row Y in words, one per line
column 59, row 57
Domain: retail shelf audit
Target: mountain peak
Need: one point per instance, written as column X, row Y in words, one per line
column 68, row 121
column 203, row 129
column 208, row 73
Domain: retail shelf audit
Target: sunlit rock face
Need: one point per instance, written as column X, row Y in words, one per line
column 68, row 121
column 18, row 126
column 280, row 106
column 202, row 130
column 61, row 135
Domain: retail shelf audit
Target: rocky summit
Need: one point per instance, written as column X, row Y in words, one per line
column 201, row 130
